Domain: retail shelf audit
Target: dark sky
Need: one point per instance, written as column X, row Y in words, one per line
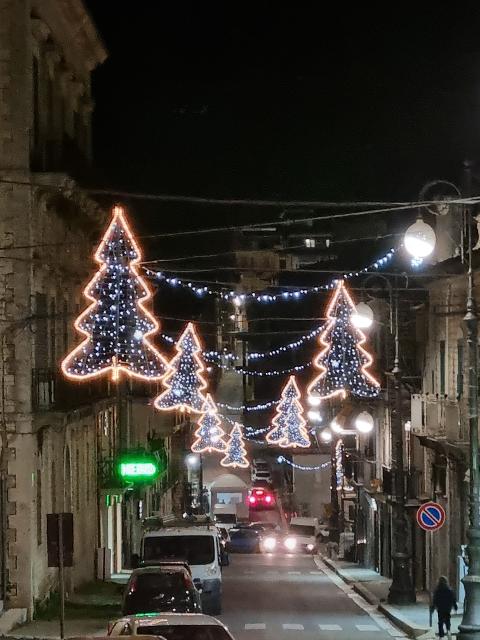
column 248, row 99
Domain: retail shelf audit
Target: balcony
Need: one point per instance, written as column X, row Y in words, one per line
column 437, row 417
column 52, row 392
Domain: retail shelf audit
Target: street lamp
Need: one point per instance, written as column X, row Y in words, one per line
column 420, row 239
column 364, row 422
column 362, row 317
column 314, row 416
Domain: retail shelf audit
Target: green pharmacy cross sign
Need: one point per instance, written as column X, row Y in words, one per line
column 138, row 467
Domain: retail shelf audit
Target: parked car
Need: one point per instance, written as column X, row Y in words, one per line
column 161, row 588
column 171, row 626
column 244, row 540
column 308, row 532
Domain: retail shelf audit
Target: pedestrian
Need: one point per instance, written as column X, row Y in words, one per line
column 443, row 601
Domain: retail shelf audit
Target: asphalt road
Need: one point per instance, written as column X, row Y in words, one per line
column 271, row 597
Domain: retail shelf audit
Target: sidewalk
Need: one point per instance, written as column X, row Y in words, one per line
column 412, row 619
column 87, row 612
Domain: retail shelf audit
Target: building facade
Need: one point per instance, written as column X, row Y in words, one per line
column 58, row 439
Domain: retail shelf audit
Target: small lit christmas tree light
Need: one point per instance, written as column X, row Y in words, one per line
column 183, row 381
column 209, row 435
column 343, row 361
column 288, row 425
column 116, row 324
column 236, row 455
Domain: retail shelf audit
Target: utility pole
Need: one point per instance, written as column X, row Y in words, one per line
column 402, row 590
column 470, row 625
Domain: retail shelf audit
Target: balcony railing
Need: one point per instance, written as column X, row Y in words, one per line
column 437, row 417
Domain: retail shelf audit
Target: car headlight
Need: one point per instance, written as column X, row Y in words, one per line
column 290, row 543
column 269, row 544
column 310, row 547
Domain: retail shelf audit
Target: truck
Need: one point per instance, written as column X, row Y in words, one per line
column 229, row 515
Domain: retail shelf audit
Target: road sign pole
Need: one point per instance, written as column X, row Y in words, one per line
column 61, row 576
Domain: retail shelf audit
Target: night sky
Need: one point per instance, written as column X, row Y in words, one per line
column 251, row 100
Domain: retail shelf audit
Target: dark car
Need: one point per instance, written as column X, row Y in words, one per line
column 244, row 540
column 159, row 589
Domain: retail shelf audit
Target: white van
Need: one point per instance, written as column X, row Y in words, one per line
column 308, row 533
column 200, row 547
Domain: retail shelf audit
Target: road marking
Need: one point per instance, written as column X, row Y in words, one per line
column 396, row 633
column 367, row 627
column 293, row 627
column 330, row 627
column 255, row 626
column 316, row 573
column 294, row 573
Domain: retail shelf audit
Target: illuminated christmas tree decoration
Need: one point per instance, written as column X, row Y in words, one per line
column 236, row 455
column 288, row 425
column 209, row 435
column 343, row 362
column 183, row 381
column 116, row 324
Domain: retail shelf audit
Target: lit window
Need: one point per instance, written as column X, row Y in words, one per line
column 310, row 243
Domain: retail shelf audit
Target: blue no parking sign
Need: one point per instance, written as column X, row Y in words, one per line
column 431, row 516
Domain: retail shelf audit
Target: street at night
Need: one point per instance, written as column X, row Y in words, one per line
column 239, row 320
column 289, row 596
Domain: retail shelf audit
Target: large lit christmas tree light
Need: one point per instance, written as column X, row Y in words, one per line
column 116, row 324
column 343, row 361
column 288, row 425
column 209, row 435
column 236, row 455
column 183, row 379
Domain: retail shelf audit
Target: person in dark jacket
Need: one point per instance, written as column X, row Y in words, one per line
column 443, row 601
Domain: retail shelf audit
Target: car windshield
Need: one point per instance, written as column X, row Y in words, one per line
column 185, row 632
column 302, row 529
column 194, row 549
column 144, row 583
column 227, row 518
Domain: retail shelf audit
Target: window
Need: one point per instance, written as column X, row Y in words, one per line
column 310, row 243
column 65, row 327
column 39, row 507
column 77, row 464
column 53, row 337
column 442, row 367
column 41, row 336
column 193, row 549
column 36, row 104
column 460, row 365
column 53, row 488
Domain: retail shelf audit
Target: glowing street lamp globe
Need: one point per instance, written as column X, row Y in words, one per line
column 364, row 422
column 362, row 317
column 314, row 415
column 326, row 435
column 314, row 400
column 420, row 239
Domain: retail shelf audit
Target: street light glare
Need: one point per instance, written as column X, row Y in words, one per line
column 326, row 435
column 314, row 401
column 362, row 317
column 192, row 460
column 364, row 422
column 420, row 239
column 314, row 415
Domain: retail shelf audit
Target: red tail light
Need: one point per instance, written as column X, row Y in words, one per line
column 259, row 492
column 268, row 499
column 187, row 581
column 252, row 499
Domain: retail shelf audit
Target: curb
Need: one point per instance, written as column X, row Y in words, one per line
column 392, row 613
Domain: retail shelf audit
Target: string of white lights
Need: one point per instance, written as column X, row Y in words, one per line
column 262, row 374
column 213, row 355
column 243, row 407
column 240, row 298
column 302, row 467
